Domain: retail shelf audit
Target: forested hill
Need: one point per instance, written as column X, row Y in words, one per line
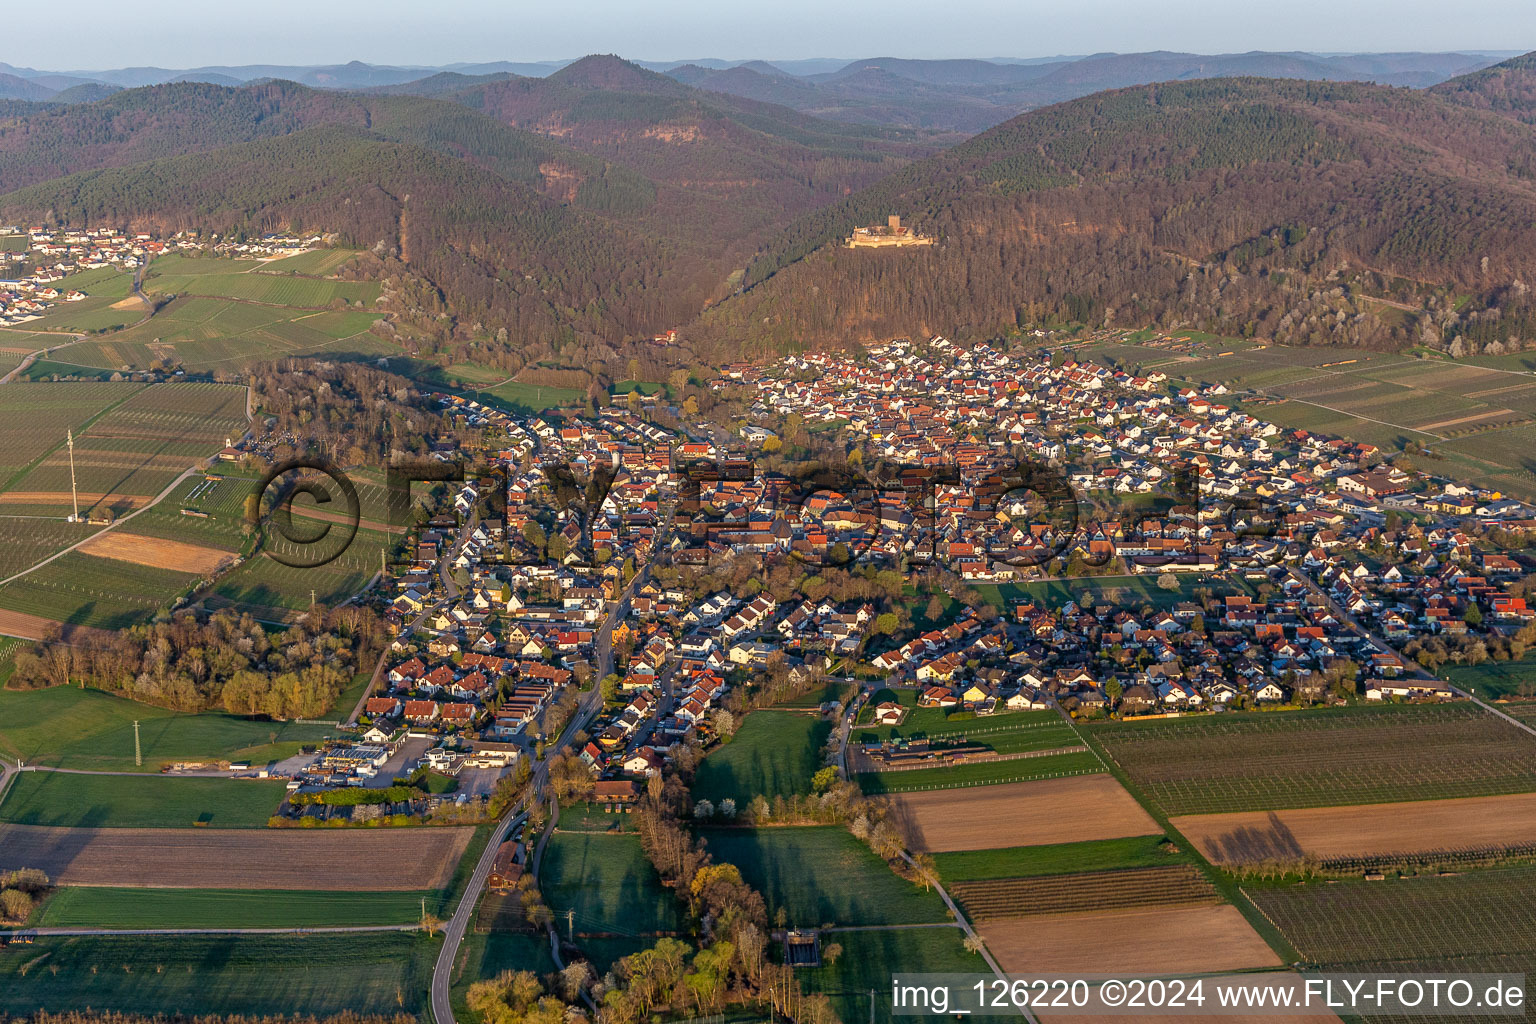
column 735, row 170
column 518, row 237
column 1276, row 208
column 547, row 235
column 1508, row 88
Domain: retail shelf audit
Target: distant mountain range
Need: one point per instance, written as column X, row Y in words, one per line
column 960, row 97
column 1304, row 212
column 521, row 218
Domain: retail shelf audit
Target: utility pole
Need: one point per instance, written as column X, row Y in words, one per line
column 138, row 754
column 73, row 493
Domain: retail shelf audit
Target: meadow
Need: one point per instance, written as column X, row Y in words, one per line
column 138, row 801
column 192, row 975
column 1321, row 758
column 487, row 954
column 863, row 972
column 9, row 645
column 106, row 907
column 72, row 727
column 607, row 883
column 774, row 753
column 822, row 875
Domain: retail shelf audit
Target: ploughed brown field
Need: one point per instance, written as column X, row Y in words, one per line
column 344, row 859
column 1022, row 814
column 1144, row 941
column 35, row 627
column 152, row 551
column 1362, row 830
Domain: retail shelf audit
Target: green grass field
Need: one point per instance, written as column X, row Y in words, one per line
column 9, row 645
column 70, row 727
column 1494, row 679
column 133, row 801
column 487, row 954
column 100, row 907
column 984, row 773
column 533, row 397
column 1056, row 859
column 822, row 875
column 608, row 883
column 1131, row 592
column 774, row 753
column 385, row 973
column 869, row 959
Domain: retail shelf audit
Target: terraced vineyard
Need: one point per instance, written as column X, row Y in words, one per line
column 137, row 442
column 1479, row 920
column 204, row 277
column 271, row 590
column 1322, row 758
column 213, row 334
column 1090, row 890
column 83, row 590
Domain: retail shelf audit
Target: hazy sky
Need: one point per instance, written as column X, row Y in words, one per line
column 190, row 33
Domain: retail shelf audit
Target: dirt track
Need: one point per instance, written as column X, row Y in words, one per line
column 1152, row 941
column 153, row 551
column 342, row 859
column 1022, row 814
column 1363, row 830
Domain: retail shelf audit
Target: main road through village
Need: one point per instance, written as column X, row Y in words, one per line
column 453, row 933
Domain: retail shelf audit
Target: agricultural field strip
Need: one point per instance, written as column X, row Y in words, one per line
column 238, row 858
column 35, row 429
column 1370, row 369
column 1465, row 917
column 1318, row 759
column 1091, row 890
column 169, row 488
